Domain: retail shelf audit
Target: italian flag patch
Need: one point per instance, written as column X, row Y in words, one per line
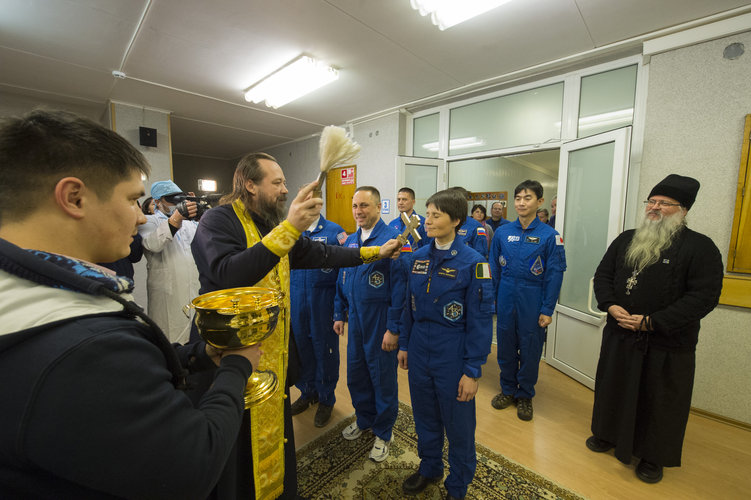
column 482, row 271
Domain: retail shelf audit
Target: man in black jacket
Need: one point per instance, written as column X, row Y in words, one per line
column 92, row 397
column 656, row 283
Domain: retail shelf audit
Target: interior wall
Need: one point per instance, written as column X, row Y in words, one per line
column 382, row 140
column 188, row 169
column 300, row 162
column 697, row 101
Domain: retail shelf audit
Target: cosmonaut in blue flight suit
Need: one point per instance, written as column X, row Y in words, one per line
column 405, row 202
column 371, row 298
column 312, row 294
column 446, row 339
column 527, row 262
column 474, row 236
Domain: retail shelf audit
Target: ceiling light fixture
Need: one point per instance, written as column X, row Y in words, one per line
column 447, row 13
column 458, row 143
column 292, row 81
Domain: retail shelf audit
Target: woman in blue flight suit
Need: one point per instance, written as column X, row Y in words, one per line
column 446, row 339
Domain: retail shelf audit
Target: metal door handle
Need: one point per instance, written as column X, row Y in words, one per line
column 599, row 314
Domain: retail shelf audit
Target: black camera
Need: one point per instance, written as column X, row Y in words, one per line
column 203, row 203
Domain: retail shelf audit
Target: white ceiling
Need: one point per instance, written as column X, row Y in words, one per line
column 195, row 57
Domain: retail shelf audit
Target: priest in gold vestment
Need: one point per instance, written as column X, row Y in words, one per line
column 247, row 241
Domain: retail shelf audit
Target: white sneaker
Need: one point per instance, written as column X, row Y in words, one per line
column 352, row 432
column 380, row 449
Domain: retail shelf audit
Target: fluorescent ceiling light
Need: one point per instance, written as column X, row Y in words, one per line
column 447, row 13
column 297, row 78
column 613, row 118
column 458, row 143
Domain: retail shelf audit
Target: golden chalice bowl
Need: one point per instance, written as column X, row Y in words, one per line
column 241, row 317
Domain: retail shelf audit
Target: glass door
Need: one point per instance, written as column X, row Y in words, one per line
column 425, row 176
column 591, row 208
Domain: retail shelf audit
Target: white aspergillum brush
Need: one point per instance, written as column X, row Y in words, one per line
column 335, row 148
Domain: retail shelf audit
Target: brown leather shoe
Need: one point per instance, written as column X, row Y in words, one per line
column 524, row 408
column 501, row 401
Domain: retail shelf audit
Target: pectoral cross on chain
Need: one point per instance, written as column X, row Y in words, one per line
column 410, row 228
column 631, row 282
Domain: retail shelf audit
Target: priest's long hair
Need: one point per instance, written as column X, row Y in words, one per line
column 248, row 169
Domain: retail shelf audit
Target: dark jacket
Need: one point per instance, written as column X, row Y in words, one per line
column 91, row 404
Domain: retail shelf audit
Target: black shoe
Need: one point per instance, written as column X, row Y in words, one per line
column 524, row 408
column 302, row 404
column 649, row 472
column 323, row 414
column 415, row 483
column 452, row 497
column 598, row 445
column 501, row 401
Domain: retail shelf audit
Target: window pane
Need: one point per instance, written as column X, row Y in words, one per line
column 607, row 101
column 423, row 179
column 590, row 174
column 524, row 118
column 504, row 173
column 425, row 140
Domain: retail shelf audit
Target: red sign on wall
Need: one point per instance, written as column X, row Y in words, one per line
column 348, row 175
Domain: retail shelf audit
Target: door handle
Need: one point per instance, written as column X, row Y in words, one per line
column 599, row 314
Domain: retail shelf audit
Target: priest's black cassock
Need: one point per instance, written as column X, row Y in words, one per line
column 644, row 379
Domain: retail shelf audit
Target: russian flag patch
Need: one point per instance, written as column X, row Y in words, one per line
column 481, row 230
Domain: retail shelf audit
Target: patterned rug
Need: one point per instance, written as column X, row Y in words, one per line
column 331, row 467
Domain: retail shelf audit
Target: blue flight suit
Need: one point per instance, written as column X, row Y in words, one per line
column 371, row 298
column 311, row 316
column 474, row 236
column 398, row 224
column 448, row 329
column 527, row 267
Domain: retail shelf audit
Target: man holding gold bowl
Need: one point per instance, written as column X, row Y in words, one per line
column 247, row 241
column 92, row 392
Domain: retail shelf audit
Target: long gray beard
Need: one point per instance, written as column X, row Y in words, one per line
column 653, row 237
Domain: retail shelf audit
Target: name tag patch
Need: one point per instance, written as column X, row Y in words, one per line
column 352, row 245
column 420, row 267
column 447, row 272
column 322, row 239
column 462, row 232
column 532, row 239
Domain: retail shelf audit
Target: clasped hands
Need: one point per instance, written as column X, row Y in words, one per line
column 633, row 322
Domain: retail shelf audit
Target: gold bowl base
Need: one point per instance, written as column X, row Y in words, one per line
column 261, row 386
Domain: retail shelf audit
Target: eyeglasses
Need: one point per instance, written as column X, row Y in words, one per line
column 660, row 203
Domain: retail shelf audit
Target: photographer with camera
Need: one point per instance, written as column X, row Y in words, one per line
column 172, row 280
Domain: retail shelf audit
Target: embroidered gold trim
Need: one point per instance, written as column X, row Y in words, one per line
column 369, row 254
column 267, row 418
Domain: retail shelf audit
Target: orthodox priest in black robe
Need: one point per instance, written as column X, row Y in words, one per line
column 244, row 242
column 656, row 283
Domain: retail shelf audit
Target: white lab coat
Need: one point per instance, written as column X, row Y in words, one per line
column 172, row 280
